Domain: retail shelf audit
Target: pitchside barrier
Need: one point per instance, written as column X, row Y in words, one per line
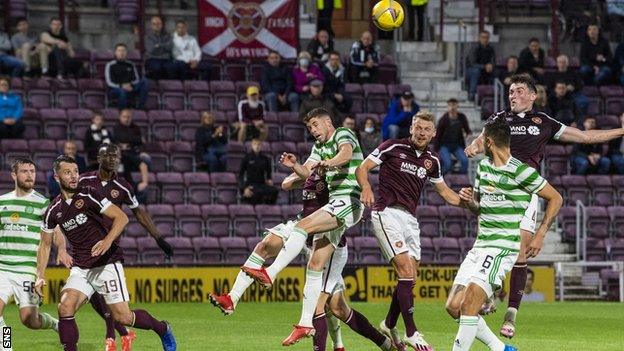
column 362, row 284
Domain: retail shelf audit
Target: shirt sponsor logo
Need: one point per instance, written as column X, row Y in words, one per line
column 73, row 223
column 15, row 227
column 533, row 130
column 79, row 204
column 413, row 169
column 494, row 197
column 114, row 193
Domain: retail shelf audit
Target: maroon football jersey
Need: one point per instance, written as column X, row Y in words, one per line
column 403, row 172
column 315, row 196
column 81, row 220
column 117, row 190
column 530, row 132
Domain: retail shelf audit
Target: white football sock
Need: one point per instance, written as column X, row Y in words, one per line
column 486, row 336
column 243, row 281
column 311, row 293
column 292, row 248
column 466, row 333
column 48, row 322
column 511, row 314
column 333, row 323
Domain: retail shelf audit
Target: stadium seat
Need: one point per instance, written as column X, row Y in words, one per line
column 453, row 221
column 429, row 220
column 184, row 252
column 466, row 244
column 225, row 187
column 130, row 249
column 357, row 94
column 79, row 122
column 448, row 250
column 596, row 249
column 54, row 123
column 235, row 249
column 207, row 250
column 224, row 95
column 188, row 122
column 427, row 253
column 617, row 249
column 567, row 220
column 189, row 220
column 44, row 153
column 618, row 184
column 431, row 197
column 602, row 193
column 93, row 93
column 576, row 189
column 162, row 126
column 181, row 156
column 557, row 160
column 376, row 98
column 268, row 216
column 172, row 187
column 367, row 249
column 164, row 218
column 217, row 220
column 198, row 188
column 151, row 254
column 243, row 219
column 616, row 215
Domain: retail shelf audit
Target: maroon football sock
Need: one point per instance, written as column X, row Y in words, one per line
column 320, row 336
column 394, row 311
column 143, row 320
column 360, row 324
column 68, row 333
column 405, row 296
column 99, row 305
column 517, row 283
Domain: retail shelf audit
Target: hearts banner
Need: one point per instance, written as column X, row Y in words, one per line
column 248, row 29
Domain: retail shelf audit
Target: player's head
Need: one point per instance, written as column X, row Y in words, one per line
column 108, row 157
column 23, row 171
column 5, row 85
column 66, row 173
column 121, row 52
column 522, row 93
column 319, row 124
column 423, row 129
column 496, row 135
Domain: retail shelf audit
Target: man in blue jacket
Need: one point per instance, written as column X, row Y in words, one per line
column 11, row 125
column 397, row 123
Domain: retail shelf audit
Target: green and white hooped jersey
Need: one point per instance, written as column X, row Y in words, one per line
column 20, row 228
column 505, row 193
column 340, row 181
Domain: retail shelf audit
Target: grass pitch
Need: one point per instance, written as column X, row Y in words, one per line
column 262, row 326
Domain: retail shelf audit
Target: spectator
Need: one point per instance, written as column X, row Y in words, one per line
column 69, row 149
column 277, row 84
column 370, row 138
column 541, row 103
column 616, row 151
column 124, row 81
column 531, row 60
column 304, row 72
column 129, row 137
column 187, row 54
column 349, row 123
column 398, row 120
column 481, row 63
column 211, row 144
column 316, row 99
column 60, row 51
column 15, row 65
column 255, row 177
column 364, row 58
column 11, row 110
column 334, row 88
column 95, row 136
column 250, row 123
column 451, row 134
column 595, row 57
column 572, row 80
column 587, row 158
column 158, row 51
column 321, row 46
column 511, row 70
column 619, row 60
column 27, row 49
column 562, row 106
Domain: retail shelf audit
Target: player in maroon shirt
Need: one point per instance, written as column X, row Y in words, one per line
column 405, row 166
column 119, row 192
column 530, row 132
column 79, row 213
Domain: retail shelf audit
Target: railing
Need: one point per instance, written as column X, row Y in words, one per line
column 581, row 231
column 460, row 47
column 616, row 266
column 398, row 49
column 499, row 95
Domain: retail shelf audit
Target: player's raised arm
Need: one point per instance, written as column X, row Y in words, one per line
column 147, row 222
column 555, row 201
column 290, row 161
column 345, row 153
column 119, row 223
column 361, row 174
column 475, row 147
column 595, row 136
column 294, row 180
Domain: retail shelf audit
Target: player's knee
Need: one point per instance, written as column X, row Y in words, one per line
column 316, row 264
column 30, row 321
column 467, row 305
column 452, row 309
column 340, row 311
column 65, row 309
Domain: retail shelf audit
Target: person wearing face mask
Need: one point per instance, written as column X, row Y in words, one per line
column 334, row 73
column 370, row 137
column 250, row 123
column 321, row 46
column 304, row 72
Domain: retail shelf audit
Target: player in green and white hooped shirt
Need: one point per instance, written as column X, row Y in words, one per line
column 502, row 192
column 337, row 154
column 21, row 213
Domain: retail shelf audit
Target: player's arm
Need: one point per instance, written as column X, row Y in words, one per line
column 302, row 170
column 451, row 197
column 43, row 255
column 475, row 147
column 575, row 135
column 146, row 221
column 120, row 220
column 294, row 180
column 361, row 174
column 469, row 200
column 555, row 201
column 345, row 153
column 61, row 245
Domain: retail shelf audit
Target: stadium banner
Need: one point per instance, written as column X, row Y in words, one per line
column 247, row 29
column 362, row 284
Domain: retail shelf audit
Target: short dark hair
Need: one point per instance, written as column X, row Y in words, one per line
column 498, row 129
column 55, row 19
column 483, row 31
column 120, row 44
column 180, row 21
column 560, row 82
column 533, row 40
column 21, row 161
column 317, row 112
column 156, row 16
column 348, row 116
column 271, row 51
column 334, row 52
column 524, row 78
column 6, row 79
column 512, row 57
column 21, row 19
column 108, row 148
column 62, row 158
column 452, row 101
